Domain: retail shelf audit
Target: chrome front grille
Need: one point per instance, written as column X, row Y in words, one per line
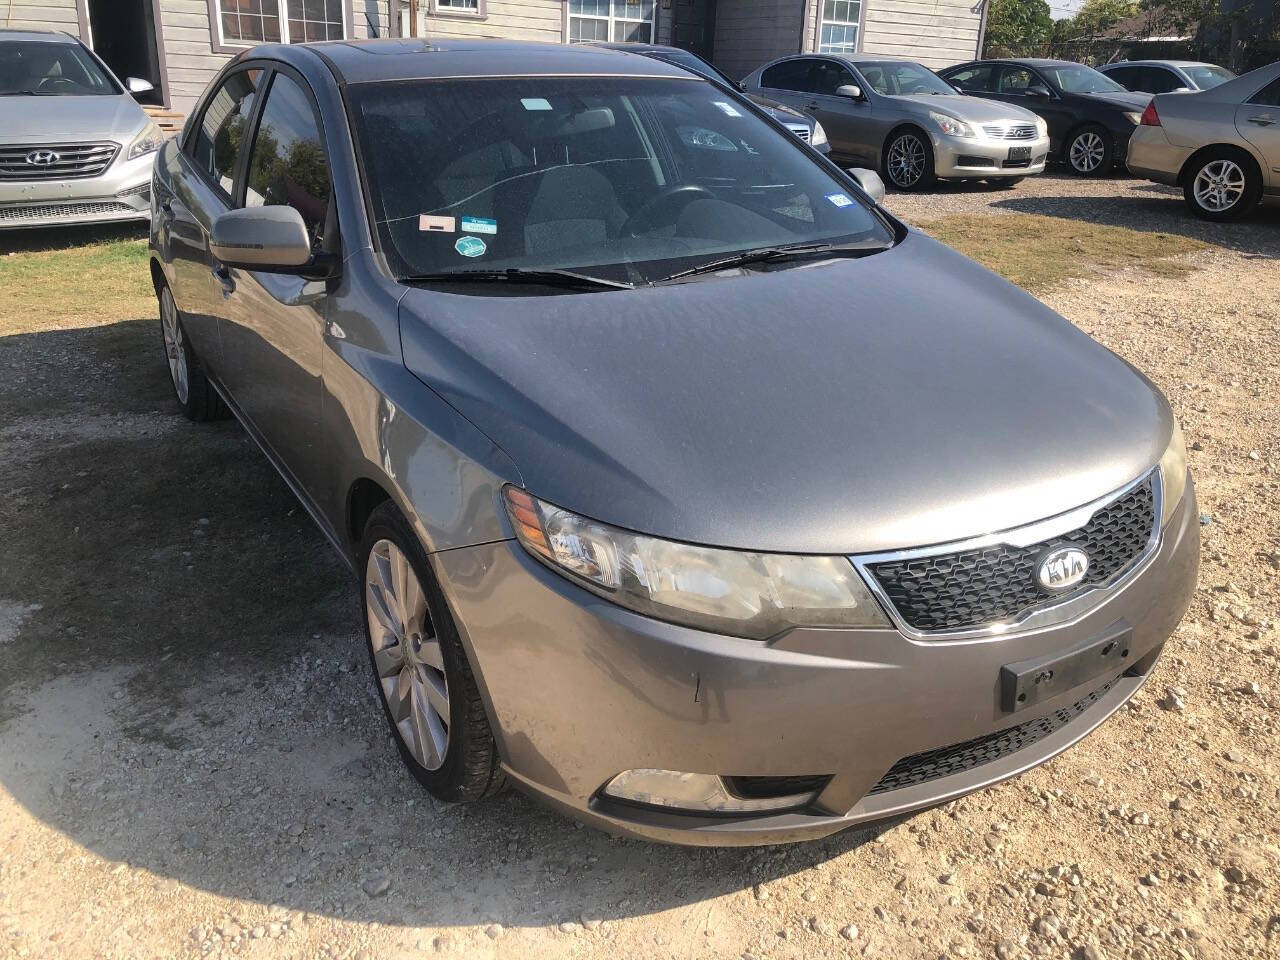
column 993, row 582
column 55, row 161
column 1010, row 131
column 801, row 130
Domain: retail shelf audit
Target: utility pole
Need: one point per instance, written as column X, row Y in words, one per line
column 413, row 18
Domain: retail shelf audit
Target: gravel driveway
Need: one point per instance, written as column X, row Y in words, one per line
column 192, row 761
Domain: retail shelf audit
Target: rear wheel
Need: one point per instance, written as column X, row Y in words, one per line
column 1222, row 186
column 908, row 161
column 195, row 394
column 1089, row 151
column 428, row 692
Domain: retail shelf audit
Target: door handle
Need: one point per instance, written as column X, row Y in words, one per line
column 1263, row 120
column 225, row 280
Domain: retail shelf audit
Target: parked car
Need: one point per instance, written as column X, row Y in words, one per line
column 802, row 125
column 1166, row 76
column 75, row 147
column 897, row 116
column 1090, row 116
column 1221, row 146
column 687, row 489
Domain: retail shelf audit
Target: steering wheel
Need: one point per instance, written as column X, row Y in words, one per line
column 664, row 207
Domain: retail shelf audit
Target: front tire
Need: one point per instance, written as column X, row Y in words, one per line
column 908, row 161
column 1222, row 186
column 1089, row 151
column 191, row 388
column 429, row 695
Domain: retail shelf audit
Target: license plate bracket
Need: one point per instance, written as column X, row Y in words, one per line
column 1018, row 155
column 1025, row 683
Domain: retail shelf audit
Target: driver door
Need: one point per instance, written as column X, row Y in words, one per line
column 848, row 122
column 1012, row 85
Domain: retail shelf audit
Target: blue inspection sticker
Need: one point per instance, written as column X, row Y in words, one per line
column 479, row 225
column 471, row 246
column 839, row 199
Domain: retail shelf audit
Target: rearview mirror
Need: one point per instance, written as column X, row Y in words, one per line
column 1039, row 91
column 850, row 90
column 869, row 181
column 270, row 239
column 137, row 86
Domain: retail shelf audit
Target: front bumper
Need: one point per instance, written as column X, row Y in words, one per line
column 579, row 690
column 1152, row 157
column 987, row 157
column 121, row 193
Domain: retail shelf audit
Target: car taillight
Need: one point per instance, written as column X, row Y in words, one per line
column 1149, row 116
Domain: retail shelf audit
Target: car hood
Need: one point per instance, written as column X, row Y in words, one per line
column 780, row 110
column 1132, row 102
column 970, row 109
column 901, row 399
column 66, row 119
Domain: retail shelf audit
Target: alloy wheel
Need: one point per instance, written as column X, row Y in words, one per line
column 906, row 160
column 407, row 654
column 174, row 345
column 1087, row 151
column 1219, row 185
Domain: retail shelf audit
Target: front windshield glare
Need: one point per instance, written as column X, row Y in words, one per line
column 48, row 69
column 903, row 79
column 626, row 179
column 1081, row 79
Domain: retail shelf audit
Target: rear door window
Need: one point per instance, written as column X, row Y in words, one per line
column 788, row 75
column 1127, row 77
column 977, row 79
column 221, row 133
column 1160, row 80
column 1268, row 96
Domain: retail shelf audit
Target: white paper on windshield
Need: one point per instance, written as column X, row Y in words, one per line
column 536, row 103
column 728, row 108
column 430, row 224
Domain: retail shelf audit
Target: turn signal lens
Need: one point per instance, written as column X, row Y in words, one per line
column 1149, row 116
column 753, row 595
column 1173, row 475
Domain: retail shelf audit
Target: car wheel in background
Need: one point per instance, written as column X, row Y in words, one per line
column 1222, row 185
column 195, row 394
column 908, row 160
column 1089, row 151
column 428, row 692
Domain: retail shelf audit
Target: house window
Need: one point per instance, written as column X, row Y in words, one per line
column 245, row 22
column 619, row 21
column 838, row 32
column 455, row 6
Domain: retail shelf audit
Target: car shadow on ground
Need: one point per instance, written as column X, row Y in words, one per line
column 183, row 686
column 38, row 239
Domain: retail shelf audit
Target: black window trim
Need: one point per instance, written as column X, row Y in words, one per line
column 192, row 133
column 1253, row 98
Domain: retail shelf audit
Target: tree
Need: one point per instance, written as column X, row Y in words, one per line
column 1097, row 16
column 1017, row 28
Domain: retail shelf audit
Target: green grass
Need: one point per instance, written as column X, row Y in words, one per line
column 1037, row 252
column 97, row 282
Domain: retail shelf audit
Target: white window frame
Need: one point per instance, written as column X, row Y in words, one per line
column 856, row 23
column 610, row 20
column 224, row 45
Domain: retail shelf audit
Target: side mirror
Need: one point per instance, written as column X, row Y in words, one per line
column 869, row 181
column 137, row 86
column 1038, row 91
column 269, row 239
column 742, row 85
column 1184, row 90
column 850, row 90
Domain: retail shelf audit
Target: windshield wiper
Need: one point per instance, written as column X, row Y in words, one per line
column 794, row 251
column 551, row 278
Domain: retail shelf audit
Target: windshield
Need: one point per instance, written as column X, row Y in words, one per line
column 619, row 178
column 892, row 79
column 1208, row 76
column 1077, row 78
column 44, row 69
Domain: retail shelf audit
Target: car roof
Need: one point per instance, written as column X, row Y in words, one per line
column 364, row 61
column 39, row 36
column 1021, row 61
column 1157, row 63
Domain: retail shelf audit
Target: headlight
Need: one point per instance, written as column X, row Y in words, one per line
column 819, row 136
column 1173, row 474
column 1134, row 118
column 1042, row 128
column 950, row 125
column 148, row 140
column 754, row 595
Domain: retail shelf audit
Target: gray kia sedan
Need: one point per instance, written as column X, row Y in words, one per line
column 687, row 489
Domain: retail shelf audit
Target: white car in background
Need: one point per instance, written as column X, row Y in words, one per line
column 75, row 147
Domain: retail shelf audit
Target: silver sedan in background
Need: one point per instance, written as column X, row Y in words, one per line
column 1222, row 146
column 75, row 147
column 901, row 118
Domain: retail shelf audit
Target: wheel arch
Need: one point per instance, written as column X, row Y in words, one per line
column 1064, row 148
column 363, row 497
column 1193, row 162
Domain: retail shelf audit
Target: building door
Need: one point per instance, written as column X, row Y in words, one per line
column 693, row 26
column 123, row 34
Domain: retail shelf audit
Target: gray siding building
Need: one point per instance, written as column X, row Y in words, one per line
column 180, row 44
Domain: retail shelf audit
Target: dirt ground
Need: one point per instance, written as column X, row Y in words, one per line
column 192, row 761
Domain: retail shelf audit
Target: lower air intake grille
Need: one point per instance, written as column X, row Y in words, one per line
column 36, row 212
column 988, row 585
column 945, row 761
